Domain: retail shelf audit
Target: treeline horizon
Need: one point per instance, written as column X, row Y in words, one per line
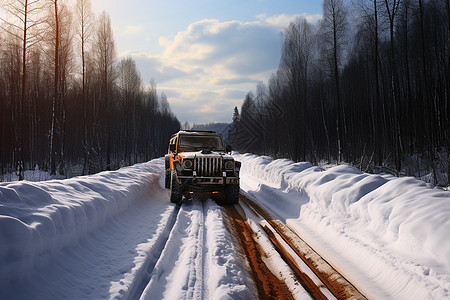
column 368, row 85
column 66, row 98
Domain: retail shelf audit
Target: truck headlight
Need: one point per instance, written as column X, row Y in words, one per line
column 187, row 164
column 229, row 165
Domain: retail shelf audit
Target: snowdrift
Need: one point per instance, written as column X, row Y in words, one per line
column 395, row 230
column 39, row 218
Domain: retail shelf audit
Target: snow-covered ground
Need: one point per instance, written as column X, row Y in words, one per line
column 102, row 236
column 199, row 260
column 389, row 236
column 115, row 235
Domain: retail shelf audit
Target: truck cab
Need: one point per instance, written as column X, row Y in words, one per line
column 199, row 162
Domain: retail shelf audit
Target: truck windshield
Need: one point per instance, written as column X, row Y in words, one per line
column 200, row 142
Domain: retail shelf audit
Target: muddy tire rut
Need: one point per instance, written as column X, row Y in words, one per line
column 313, row 273
column 267, row 284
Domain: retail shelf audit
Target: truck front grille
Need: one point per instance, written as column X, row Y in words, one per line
column 208, row 166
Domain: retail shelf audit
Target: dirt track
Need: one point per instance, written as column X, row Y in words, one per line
column 325, row 282
column 268, row 285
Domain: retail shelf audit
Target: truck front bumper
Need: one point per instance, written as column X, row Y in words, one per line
column 198, row 181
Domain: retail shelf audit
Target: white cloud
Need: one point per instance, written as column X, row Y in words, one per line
column 283, row 20
column 202, row 105
column 224, row 50
column 130, row 29
column 201, row 65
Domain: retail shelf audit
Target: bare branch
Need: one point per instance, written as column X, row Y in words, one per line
column 10, row 32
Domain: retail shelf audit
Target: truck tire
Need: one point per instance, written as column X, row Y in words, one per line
column 232, row 194
column 168, row 177
column 176, row 194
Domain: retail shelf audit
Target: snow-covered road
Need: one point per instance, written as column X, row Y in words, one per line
column 199, row 260
column 115, row 235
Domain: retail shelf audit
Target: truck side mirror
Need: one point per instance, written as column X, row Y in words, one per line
column 173, row 147
column 228, row 149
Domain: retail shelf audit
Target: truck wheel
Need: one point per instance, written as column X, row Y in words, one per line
column 232, row 194
column 168, row 177
column 176, row 194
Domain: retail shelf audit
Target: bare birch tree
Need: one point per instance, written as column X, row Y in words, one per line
column 85, row 20
column 334, row 27
column 368, row 24
column 129, row 84
column 60, row 37
column 24, row 18
column 105, row 54
column 391, row 11
column 294, row 68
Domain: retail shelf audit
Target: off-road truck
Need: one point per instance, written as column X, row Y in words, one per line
column 198, row 162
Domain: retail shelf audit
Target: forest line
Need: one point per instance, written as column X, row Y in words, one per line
column 369, row 85
column 66, row 98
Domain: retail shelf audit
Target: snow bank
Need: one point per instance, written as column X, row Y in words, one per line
column 397, row 227
column 37, row 219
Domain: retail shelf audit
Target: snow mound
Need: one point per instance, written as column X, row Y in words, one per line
column 39, row 218
column 397, row 227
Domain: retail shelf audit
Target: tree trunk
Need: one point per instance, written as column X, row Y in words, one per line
column 85, row 131
column 377, row 104
column 448, row 94
column 428, row 108
column 22, row 96
column 55, row 95
column 339, row 124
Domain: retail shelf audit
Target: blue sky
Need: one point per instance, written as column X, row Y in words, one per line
column 204, row 55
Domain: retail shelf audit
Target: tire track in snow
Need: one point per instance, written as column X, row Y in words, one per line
column 205, row 266
column 289, row 245
column 269, row 285
column 155, row 254
column 199, row 259
column 181, row 260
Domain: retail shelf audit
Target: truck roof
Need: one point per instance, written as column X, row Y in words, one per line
column 199, row 131
column 196, row 132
